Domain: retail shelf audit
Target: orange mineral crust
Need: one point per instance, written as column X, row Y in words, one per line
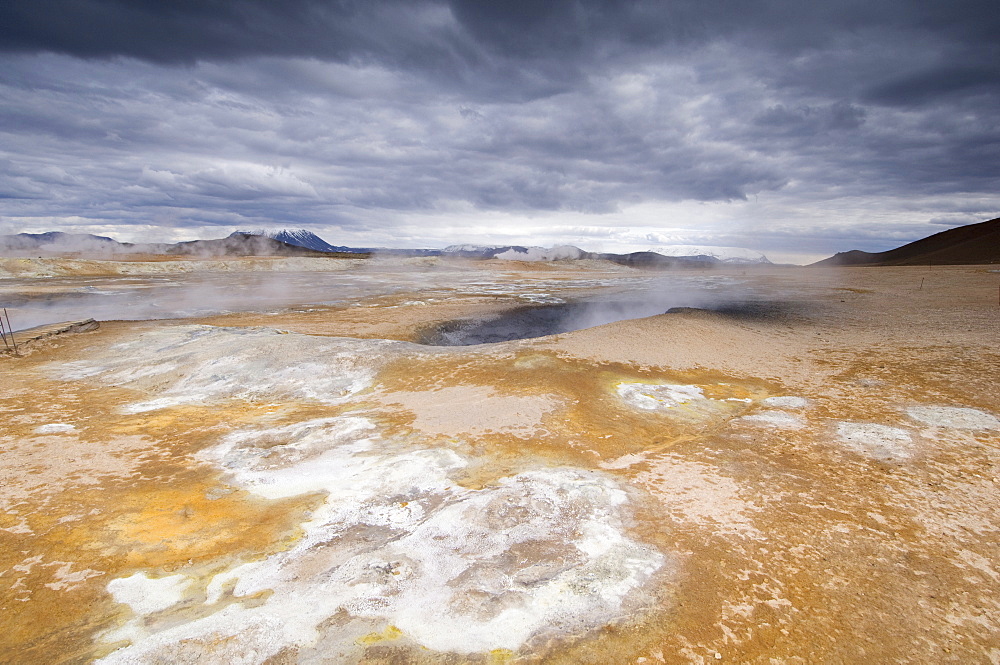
column 809, row 478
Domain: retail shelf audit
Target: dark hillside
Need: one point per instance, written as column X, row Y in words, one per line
column 965, row 245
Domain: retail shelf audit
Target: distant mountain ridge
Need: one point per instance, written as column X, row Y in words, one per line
column 301, row 242
column 515, row 252
column 659, row 261
column 964, row 245
column 738, row 255
column 667, row 257
column 237, row 244
column 972, row 244
column 56, row 239
column 671, row 255
column 558, row 253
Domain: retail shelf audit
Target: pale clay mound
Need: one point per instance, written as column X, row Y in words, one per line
column 878, row 441
column 954, row 417
column 677, row 401
column 653, row 397
column 786, row 402
column 198, row 364
column 778, row 419
column 459, row 409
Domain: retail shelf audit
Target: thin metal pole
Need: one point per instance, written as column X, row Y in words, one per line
column 10, row 330
column 3, row 333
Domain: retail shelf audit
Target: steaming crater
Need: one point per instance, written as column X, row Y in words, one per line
column 536, row 321
column 552, row 319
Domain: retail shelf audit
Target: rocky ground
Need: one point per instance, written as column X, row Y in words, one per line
column 807, row 474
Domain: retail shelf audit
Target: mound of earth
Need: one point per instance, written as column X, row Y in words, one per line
column 973, row 244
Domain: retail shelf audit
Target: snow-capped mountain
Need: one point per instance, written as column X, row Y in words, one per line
column 477, row 251
column 724, row 254
column 561, row 253
column 299, row 238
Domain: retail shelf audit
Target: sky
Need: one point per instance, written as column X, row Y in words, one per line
column 794, row 128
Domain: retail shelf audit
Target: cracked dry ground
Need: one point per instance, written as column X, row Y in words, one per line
column 687, row 488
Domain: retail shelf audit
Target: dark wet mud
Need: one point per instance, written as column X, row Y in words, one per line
column 541, row 320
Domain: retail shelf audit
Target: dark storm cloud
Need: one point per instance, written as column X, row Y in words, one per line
column 547, row 43
column 305, row 112
column 179, row 31
column 935, row 84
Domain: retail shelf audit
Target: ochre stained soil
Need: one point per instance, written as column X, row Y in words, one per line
column 842, row 525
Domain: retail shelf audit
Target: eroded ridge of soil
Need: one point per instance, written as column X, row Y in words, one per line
column 687, row 488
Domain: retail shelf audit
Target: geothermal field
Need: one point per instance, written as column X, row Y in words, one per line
column 428, row 460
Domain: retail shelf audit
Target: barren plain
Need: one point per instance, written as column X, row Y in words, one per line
column 794, row 465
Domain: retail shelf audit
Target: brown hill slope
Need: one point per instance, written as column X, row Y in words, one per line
column 965, row 245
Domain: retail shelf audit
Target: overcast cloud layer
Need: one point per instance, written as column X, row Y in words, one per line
column 798, row 129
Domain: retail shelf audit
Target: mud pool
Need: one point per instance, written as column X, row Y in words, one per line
column 531, row 321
